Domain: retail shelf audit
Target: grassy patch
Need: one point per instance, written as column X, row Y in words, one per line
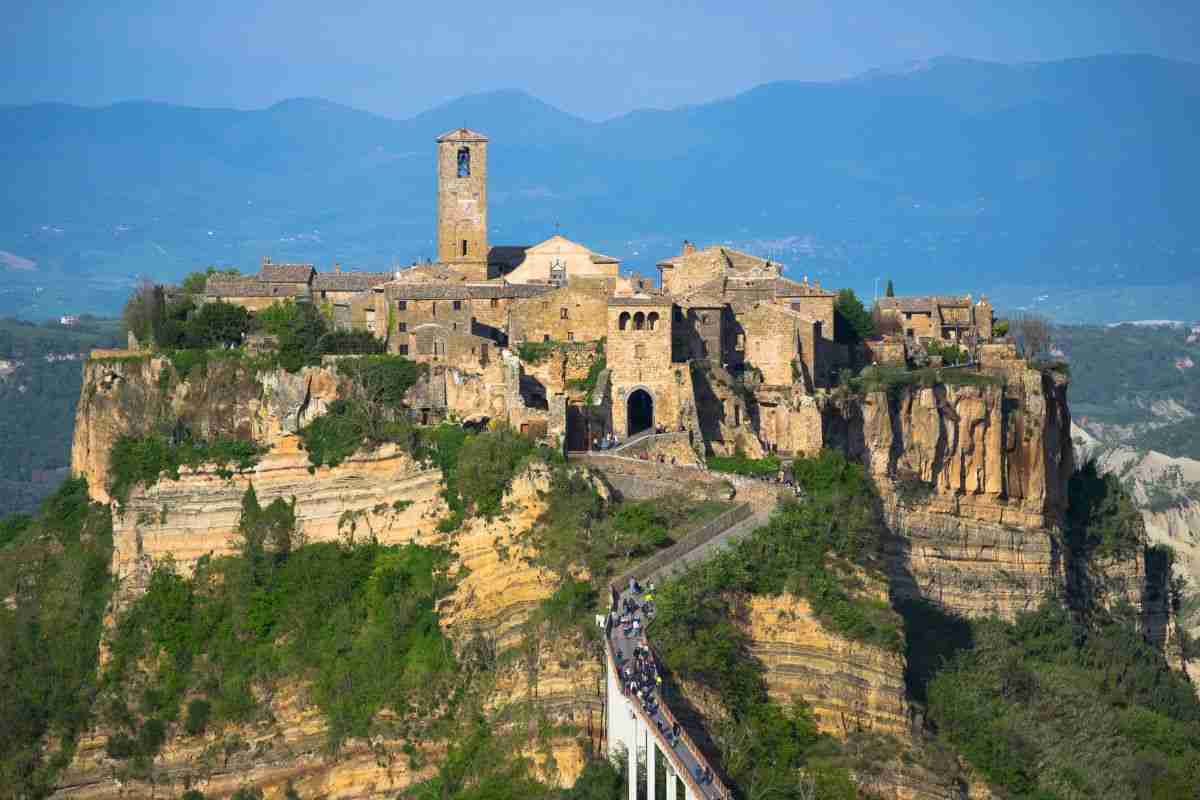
column 741, row 465
column 142, row 460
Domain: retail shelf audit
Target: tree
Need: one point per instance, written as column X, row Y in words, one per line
column 143, row 310
column 1032, row 332
column 219, row 323
column 196, row 282
column 1000, row 328
column 852, row 323
column 890, row 291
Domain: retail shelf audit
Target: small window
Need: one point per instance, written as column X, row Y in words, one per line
column 458, row 305
column 562, row 313
column 495, row 303
column 322, row 294
column 453, row 326
column 403, row 349
column 639, row 351
column 402, row 305
column 570, row 336
column 464, row 162
column 433, row 308
column 402, row 327
column 464, row 247
column 545, row 337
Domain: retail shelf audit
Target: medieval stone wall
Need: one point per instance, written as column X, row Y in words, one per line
column 569, row 314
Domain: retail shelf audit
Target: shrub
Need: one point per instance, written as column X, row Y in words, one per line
column 141, row 460
column 340, row 342
column 739, row 464
column 358, row 622
column 217, row 324
column 198, row 712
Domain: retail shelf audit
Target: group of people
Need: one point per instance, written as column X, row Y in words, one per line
column 605, row 442
column 639, row 673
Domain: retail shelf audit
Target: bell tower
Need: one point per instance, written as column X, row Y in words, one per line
column 462, row 202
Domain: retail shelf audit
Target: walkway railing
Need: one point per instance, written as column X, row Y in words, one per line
column 697, row 538
column 712, row 788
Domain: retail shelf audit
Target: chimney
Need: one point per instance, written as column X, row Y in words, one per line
column 337, row 267
column 266, row 260
column 688, row 248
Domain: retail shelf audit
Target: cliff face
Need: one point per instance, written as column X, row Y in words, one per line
column 135, row 395
column 544, row 686
column 973, row 480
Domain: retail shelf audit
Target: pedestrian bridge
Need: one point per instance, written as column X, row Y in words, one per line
column 640, row 732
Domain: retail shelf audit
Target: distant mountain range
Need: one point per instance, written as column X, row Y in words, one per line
column 1071, row 181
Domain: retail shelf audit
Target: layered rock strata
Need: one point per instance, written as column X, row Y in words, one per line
column 545, row 687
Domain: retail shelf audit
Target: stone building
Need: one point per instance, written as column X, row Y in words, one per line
column 573, row 313
column 558, row 261
column 946, row 318
column 462, row 202
column 646, row 382
column 273, row 283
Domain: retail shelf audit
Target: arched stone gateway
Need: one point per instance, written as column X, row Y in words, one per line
column 640, row 411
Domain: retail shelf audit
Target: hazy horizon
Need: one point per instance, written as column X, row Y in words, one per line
column 398, row 62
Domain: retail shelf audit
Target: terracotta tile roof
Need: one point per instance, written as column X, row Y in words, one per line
column 402, row 290
column 786, row 287
column 732, row 261
column 600, row 258
column 286, row 273
column 349, row 281
column 923, row 304
column 251, row 287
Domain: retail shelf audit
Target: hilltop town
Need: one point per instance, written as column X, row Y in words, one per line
column 556, row 340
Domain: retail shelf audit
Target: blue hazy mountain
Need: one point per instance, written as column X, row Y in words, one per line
column 1069, row 181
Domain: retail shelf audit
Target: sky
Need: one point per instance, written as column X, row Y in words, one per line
column 398, row 57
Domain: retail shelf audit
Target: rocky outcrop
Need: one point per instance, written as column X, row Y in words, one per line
column 544, row 685
column 849, row 685
column 135, row 395
column 973, row 481
column 381, row 492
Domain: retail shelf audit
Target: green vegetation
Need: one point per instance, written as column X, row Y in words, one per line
column 1051, row 708
column 892, row 379
column 588, row 384
column 141, row 460
column 1136, row 376
column 358, row 621
column 851, row 322
column 37, row 403
column 54, row 574
column 815, row 550
column 372, row 412
column 951, row 353
column 579, row 534
column 1102, row 519
column 739, row 464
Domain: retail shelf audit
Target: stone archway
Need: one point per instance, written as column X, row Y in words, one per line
column 639, row 411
